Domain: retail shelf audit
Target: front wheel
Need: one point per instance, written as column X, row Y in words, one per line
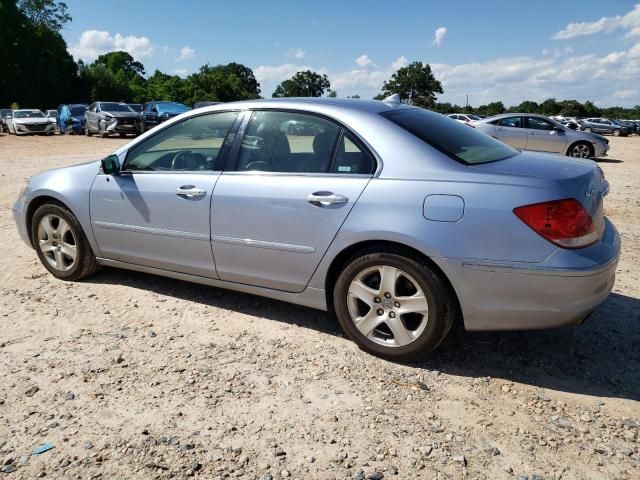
column 103, row 130
column 87, row 130
column 580, row 150
column 393, row 306
column 616, row 133
column 588, row 130
column 61, row 244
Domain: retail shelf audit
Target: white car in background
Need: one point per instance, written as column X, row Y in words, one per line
column 464, row 117
column 31, row 121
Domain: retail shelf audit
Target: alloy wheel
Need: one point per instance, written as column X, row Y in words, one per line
column 387, row 305
column 580, row 151
column 57, row 242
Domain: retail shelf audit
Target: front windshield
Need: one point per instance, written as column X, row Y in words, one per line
column 77, row 111
column 115, row 107
column 135, row 106
column 457, row 140
column 171, row 107
column 29, row 114
column 473, row 117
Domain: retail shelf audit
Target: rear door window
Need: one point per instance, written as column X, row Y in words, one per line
column 513, row 122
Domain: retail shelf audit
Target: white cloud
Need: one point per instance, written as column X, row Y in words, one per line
column 93, row 43
column 440, row 33
column 625, row 94
column 270, row 76
column 364, row 61
column 296, row 53
column 401, row 62
column 629, row 22
column 186, row 53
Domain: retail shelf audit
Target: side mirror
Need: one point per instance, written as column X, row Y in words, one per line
column 111, row 165
column 558, row 129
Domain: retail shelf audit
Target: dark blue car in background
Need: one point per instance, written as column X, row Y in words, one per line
column 154, row 113
column 71, row 118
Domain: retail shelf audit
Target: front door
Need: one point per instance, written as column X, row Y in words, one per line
column 510, row 130
column 291, row 182
column 543, row 136
column 156, row 213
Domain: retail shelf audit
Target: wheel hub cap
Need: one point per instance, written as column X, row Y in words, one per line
column 57, row 243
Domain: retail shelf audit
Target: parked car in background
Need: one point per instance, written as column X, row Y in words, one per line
column 154, row 113
column 31, row 121
column 571, row 124
column 105, row 118
column 634, row 126
column 72, row 118
column 136, row 107
column 398, row 246
column 541, row 134
column 464, row 117
column 52, row 115
column 604, row 125
column 5, row 117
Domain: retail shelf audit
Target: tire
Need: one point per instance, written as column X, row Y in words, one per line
column 616, row 132
column 87, row 130
column 54, row 243
column 588, row 129
column 122, row 135
column 141, row 128
column 581, row 150
column 103, row 132
column 420, row 333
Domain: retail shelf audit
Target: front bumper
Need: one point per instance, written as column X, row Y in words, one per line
column 118, row 127
column 18, row 211
column 561, row 291
column 33, row 129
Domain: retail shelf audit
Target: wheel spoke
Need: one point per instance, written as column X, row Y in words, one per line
column 414, row 304
column 70, row 251
column 45, row 223
column 367, row 323
column 388, row 277
column 59, row 259
column 360, row 291
column 63, row 228
column 401, row 335
column 47, row 246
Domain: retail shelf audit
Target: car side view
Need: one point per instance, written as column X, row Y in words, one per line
column 105, row 118
column 542, row 134
column 71, row 118
column 397, row 219
column 605, row 125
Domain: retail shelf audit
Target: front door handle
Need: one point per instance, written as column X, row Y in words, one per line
column 325, row 199
column 190, row 191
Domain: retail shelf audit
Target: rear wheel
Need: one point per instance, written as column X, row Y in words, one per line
column 392, row 305
column 580, row 150
column 61, row 244
column 616, row 132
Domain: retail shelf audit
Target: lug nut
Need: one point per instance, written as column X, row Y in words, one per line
column 392, row 314
column 380, row 312
column 377, row 299
column 387, row 295
column 396, row 304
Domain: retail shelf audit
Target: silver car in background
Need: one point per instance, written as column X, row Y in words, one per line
column 30, row 122
column 538, row 133
column 397, row 219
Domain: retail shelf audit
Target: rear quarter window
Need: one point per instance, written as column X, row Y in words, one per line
column 456, row 140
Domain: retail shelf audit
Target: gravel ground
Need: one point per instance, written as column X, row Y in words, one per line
column 133, row 376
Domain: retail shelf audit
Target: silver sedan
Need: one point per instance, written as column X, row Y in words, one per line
column 542, row 134
column 399, row 220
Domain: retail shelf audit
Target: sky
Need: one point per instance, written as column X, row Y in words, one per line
column 489, row 50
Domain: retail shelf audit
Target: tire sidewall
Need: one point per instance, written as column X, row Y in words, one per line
column 430, row 285
column 81, row 244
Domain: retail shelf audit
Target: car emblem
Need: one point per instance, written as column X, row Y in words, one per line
column 591, row 193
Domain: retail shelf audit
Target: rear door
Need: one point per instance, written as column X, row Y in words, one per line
column 543, row 136
column 511, row 131
column 283, row 198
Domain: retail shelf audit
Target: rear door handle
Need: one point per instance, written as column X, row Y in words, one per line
column 325, row 199
column 190, row 191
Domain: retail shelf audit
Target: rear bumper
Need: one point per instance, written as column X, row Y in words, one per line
column 561, row 291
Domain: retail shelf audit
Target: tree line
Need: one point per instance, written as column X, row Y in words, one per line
column 36, row 70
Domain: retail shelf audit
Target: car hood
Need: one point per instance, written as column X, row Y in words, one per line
column 28, row 121
column 582, row 179
column 123, row 114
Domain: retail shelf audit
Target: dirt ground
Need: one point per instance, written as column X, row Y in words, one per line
column 134, row 376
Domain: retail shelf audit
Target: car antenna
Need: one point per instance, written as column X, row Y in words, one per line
column 392, row 99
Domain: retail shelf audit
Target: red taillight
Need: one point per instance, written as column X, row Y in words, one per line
column 563, row 222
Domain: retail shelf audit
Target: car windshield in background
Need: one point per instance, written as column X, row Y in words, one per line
column 171, row 107
column 473, row 117
column 452, row 138
column 115, row 107
column 77, row 111
column 29, row 114
column 136, row 107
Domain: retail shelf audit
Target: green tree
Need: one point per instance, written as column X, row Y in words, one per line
column 303, row 84
column 414, row 83
column 571, row 108
column 47, row 14
column 161, row 86
column 549, row 107
column 493, row 108
column 332, row 94
column 527, row 106
column 223, row 83
column 590, row 110
column 354, row 96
